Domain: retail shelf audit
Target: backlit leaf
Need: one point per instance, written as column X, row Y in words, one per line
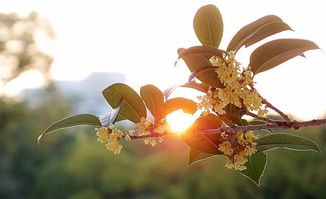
column 194, row 85
column 196, row 156
column 174, row 104
column 153, row 98
column 205, row 51
column 256, row 31
column 255, row 167
column 76, row 120
column 206, row 143
column 196, row 62
column 197, row 86
column 132, row 107
column 208, row 25
column 288, row 141
column 278, row 51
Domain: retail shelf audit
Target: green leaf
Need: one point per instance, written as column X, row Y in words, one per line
column 256, row 31
column 82, row 119
column 206, row 143
column 208, row 25
column 255, row 167
column 132, row 107
column 292, row 142
column 196, row 156
column 174, row 104
column 209, row 77
column 153, row 98
column 276, row 52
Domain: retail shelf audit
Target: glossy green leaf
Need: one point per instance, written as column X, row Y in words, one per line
column 76, row 120
column 196, row 156
column 255, row 167
column 174, row 104
column 153, row 98
column 278, row 51
column 208, row 25
column 206, row 143
column 132, row 107
column 209, row 77
column 256, row 31
column 288, row 141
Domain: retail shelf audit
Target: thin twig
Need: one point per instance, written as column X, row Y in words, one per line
column 261, row 118
column 269, row 105
column 151, row 135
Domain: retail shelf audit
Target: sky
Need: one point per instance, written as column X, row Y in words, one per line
column 140, row 39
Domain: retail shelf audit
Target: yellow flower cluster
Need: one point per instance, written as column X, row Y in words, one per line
column 237, row 152
column 237, row 87
column 111, row 137
column 145, row 126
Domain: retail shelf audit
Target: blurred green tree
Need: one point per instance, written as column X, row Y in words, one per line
column 18, row 49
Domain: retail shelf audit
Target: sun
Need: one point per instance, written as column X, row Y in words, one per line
column 179, row 121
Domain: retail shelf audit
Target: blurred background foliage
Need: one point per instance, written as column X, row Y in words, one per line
column 73, row 165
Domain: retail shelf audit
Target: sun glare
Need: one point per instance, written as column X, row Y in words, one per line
column 180, row 121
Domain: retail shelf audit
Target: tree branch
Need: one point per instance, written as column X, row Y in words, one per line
column 151, row 135
column 279, row 125
column 261, row 118
column 269, row 105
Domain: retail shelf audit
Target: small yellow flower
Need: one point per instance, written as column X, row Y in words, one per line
column 226, row 148
column 237, row 87
column 237, row 156
column 102, row 134
column 111, row 137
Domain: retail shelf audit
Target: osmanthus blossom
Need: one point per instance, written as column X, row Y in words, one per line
column 237, row 89
column 112, row 135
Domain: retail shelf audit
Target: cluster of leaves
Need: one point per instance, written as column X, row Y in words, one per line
column 208, row 26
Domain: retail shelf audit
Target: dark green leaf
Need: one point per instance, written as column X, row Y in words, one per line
column 196, row 62
column 174, row 104
column 288, row 141
column 82, row 119
column 153, row 98
column 206, row 143
column 276, row 52
column 208, row 25
column 255, row 167
column 256, row 31
column 196, row 156
column 132, row 107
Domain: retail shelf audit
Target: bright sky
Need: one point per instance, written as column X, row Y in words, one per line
column 140, row 39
